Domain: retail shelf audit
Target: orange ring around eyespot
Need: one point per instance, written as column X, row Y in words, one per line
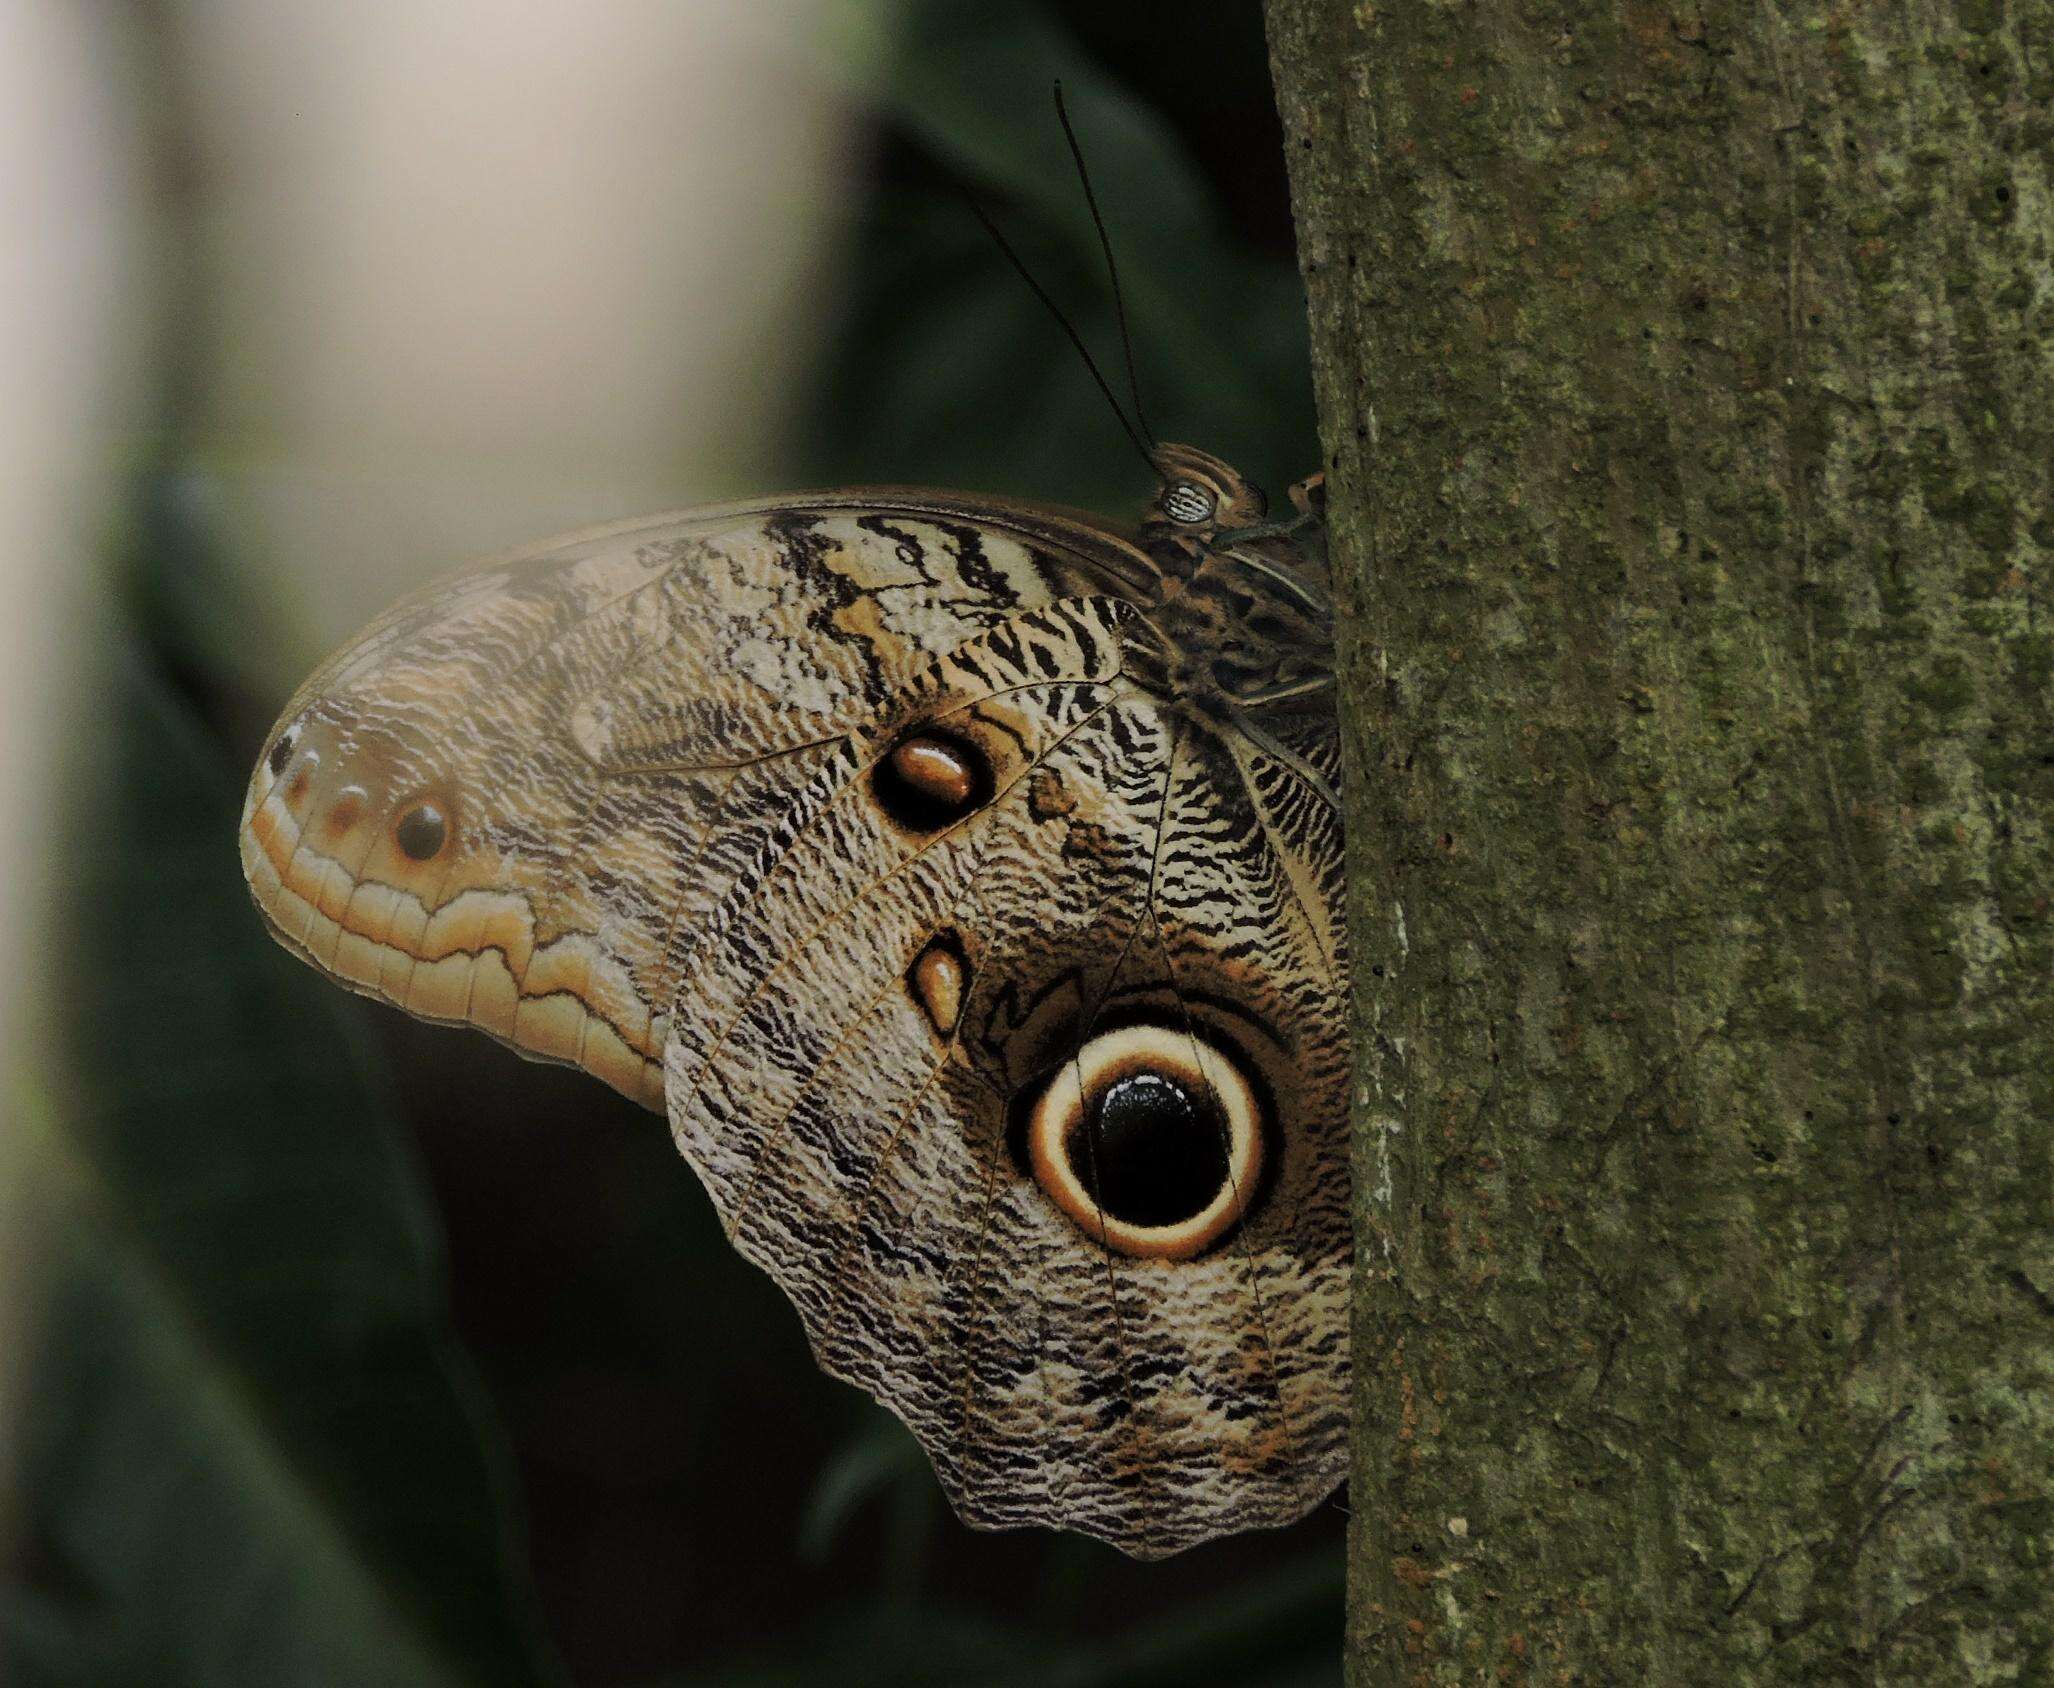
column 1186, row 1057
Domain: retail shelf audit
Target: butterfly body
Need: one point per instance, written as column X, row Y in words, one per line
column 962, row 879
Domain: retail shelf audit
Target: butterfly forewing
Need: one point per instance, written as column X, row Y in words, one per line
column 608, row 725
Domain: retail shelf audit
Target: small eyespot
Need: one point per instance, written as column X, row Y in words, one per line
column 931, row 779
column 281, row 750
column 1150, row 1140
column 346, row 810
column 939, row 979
column 421, row 832
column 304, row 767
column 1188, row 503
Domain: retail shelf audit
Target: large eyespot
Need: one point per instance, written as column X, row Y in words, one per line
column 931, row 779
column 421, row 831
column 1151, row 1139
column 1188, row 503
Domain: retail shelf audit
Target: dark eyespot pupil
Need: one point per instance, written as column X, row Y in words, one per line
column 421, row 831
column 1149, row 1152
column 928, row 780
column 281, row 750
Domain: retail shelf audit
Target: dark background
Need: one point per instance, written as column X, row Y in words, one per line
column 370, row 1352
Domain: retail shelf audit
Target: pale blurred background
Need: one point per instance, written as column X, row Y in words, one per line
column 335, row 1348
column 476, row 272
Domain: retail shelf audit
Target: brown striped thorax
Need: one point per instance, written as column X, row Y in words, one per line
column 1242, row 611
column 962, row 878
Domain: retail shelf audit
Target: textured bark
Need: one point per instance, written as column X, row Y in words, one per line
column 1685, row 376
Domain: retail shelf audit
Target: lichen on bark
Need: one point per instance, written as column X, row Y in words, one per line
column 1687, row 378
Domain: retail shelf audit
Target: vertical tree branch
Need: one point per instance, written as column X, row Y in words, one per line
column 1687, row 377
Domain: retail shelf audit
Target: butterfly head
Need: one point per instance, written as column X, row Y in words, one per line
column 1200, row 494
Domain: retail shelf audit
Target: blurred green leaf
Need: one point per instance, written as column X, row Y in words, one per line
column 1276, row 1631
column 948, row 370
column 880, row 1455
column 250, row 1454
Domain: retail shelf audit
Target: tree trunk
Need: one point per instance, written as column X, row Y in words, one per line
column 1685, row 377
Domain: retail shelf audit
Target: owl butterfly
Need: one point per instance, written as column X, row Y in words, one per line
column 962, row 877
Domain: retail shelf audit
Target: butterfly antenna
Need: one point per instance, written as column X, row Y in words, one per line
column 1112, row 270
column 1063, row 322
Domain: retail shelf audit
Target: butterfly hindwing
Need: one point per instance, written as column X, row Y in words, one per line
column 866, row 1155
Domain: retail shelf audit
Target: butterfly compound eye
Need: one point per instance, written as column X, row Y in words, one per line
column 1188, row 502
column 1151, row 1140
column 931, row 779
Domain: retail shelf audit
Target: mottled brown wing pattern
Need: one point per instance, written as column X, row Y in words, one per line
column 865, row 835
